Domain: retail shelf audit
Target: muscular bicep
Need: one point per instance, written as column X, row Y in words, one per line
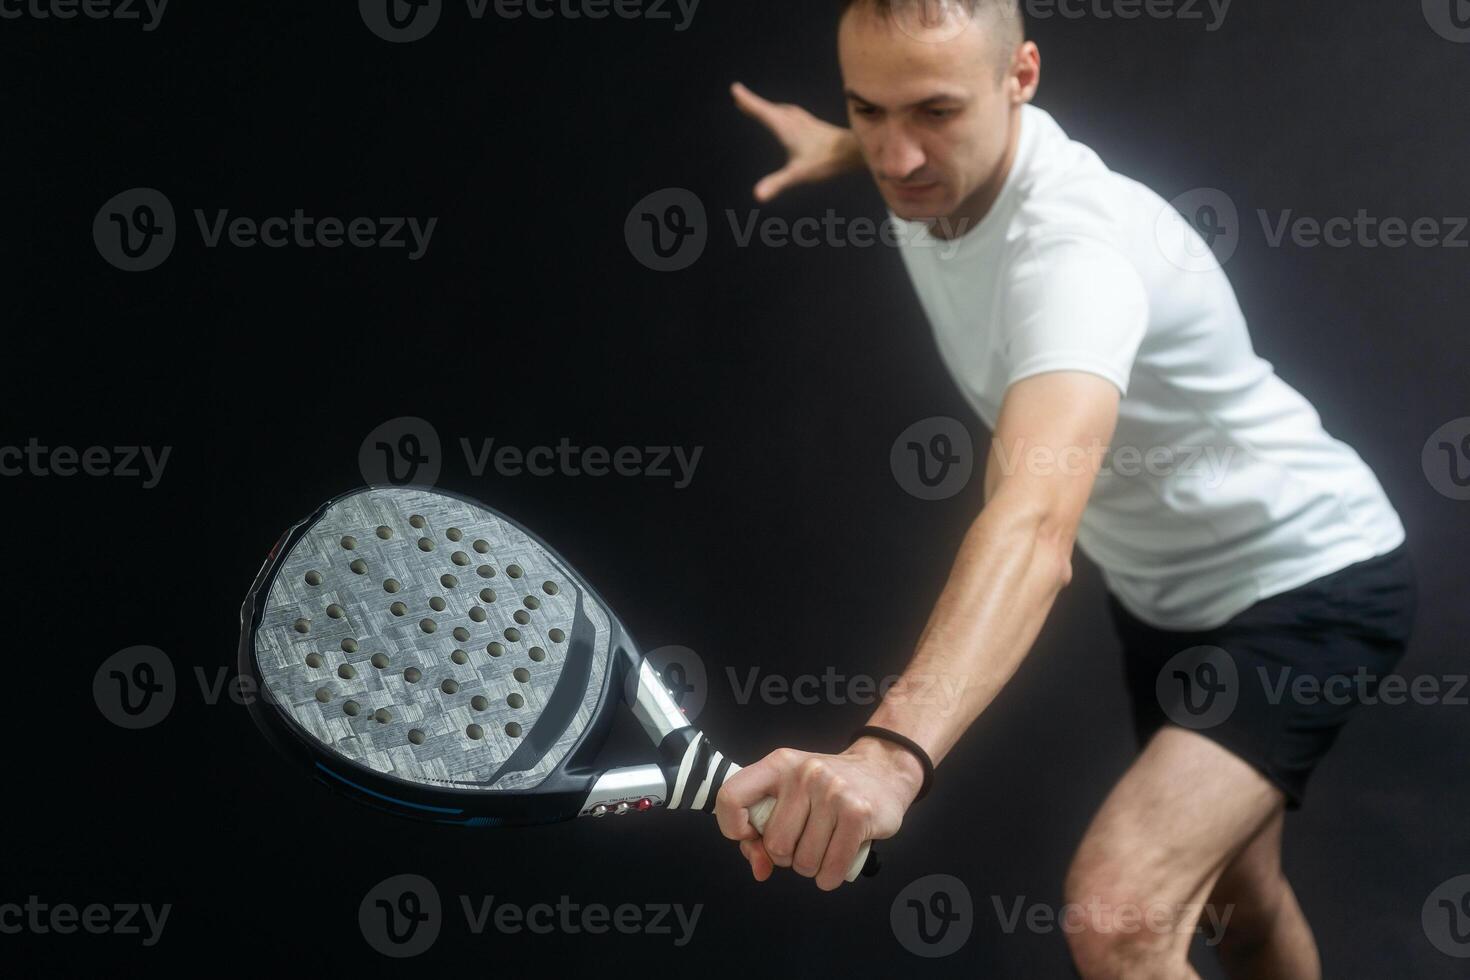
column 1050, row 440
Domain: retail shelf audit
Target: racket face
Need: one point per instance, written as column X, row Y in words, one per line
column 428, row 654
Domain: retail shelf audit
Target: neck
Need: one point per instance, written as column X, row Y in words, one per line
column 973, row 209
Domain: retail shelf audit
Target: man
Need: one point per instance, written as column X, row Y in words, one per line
column 1074, row 327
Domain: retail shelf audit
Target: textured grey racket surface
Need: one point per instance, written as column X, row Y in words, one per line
column 373, row 652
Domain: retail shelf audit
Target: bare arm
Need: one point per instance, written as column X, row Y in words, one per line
column 1015, row 559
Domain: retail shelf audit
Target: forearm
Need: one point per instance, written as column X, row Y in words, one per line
column 1009, row 570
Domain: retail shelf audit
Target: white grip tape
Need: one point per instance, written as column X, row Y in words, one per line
column 760, row 814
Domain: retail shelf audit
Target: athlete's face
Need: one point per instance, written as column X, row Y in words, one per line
column 932, row 108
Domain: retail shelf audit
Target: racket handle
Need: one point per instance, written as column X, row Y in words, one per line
column 864, row 863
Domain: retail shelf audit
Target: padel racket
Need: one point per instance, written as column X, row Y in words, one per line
column 426, row 654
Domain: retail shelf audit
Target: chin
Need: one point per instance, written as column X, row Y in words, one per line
column 927, row 208
column 911, row 210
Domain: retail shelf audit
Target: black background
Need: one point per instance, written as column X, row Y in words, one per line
column 794, row 549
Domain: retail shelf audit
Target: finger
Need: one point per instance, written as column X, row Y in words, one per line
column 787, row 822
column 775, row 183
column 746, row 788
column 753, row 105
column 761, row 865
column 851, row 831
column 815, row 839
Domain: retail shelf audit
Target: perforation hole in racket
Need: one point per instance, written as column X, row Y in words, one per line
column 378, row 645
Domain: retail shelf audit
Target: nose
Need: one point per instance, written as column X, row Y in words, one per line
column 899, row 154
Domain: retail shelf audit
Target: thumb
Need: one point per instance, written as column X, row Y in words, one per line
column 761, row 864
column 773, row 184
column 744, row 789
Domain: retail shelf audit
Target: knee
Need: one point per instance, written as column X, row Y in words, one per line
column 1115, row 930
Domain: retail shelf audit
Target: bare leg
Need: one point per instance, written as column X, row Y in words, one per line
column 1266, row 936
column 1180, row 815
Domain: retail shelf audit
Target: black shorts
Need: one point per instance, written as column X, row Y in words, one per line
column 1275, row 684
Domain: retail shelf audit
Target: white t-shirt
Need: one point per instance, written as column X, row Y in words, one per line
column 1222, row 488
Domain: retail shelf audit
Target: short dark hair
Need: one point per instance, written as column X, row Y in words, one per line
column 1006, row 13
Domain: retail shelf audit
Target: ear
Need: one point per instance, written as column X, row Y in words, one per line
column 1025, row 73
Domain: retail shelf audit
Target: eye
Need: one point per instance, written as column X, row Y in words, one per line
column 939, row 113
column 865, row 110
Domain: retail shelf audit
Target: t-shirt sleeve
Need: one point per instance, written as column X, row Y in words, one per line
column 1073, row 305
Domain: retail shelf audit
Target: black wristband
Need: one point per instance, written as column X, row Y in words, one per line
column 906, row 742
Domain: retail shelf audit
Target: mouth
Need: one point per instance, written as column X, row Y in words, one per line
column 913, row 191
